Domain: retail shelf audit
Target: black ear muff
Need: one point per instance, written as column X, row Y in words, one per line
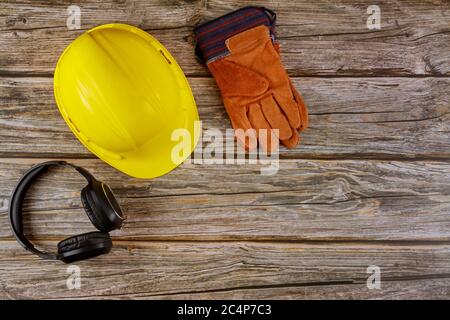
column 84, row 246
column 96, row 217
column 99, row 203
column 101, row 206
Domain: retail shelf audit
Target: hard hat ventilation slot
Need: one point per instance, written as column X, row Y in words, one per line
column 167, row 59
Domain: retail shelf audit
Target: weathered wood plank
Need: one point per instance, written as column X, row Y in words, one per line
column 325, row 38
column 146, row 269
column 305, row 200
column 159, row 14
column 428, row 289
column 357, row 118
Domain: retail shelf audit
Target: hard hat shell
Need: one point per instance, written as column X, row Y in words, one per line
column 123, row 94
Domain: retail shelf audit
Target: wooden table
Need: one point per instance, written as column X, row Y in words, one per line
column 368, row 186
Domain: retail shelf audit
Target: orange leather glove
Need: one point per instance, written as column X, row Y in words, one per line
column 255, row 87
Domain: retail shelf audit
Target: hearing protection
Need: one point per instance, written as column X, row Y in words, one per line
column 99, row 204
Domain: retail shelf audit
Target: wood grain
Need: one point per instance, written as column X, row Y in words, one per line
column 419, row 289
column 350, row 118
column 369, row 185
column 305, row 200
column 152, row 269
column 321, row 37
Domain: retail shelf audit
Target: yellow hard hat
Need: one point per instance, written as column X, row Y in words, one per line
column 123, row 95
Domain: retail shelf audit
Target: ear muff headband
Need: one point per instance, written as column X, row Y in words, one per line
column 18, row 195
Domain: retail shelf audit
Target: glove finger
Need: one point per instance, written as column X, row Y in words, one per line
column 292, row 141
column 260, row 123
column 298, row 98
column 301, row 107
column 276, row 118
column 290, row 109
column 245, row 134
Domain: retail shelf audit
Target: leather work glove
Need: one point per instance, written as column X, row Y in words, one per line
column 256, row 90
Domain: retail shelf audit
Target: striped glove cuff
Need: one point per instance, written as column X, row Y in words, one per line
column 211, row 36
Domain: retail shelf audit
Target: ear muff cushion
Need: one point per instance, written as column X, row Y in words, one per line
column 78, row 241
column 95, row 218
column 84, row 246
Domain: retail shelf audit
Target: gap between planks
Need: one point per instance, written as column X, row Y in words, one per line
column 143, row 242
column 26, row 74
column 324, row 157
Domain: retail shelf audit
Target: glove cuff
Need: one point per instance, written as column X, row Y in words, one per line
column 211, row 35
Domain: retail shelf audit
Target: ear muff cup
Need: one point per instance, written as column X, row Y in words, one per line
column 96, row 217
column 84, row 246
